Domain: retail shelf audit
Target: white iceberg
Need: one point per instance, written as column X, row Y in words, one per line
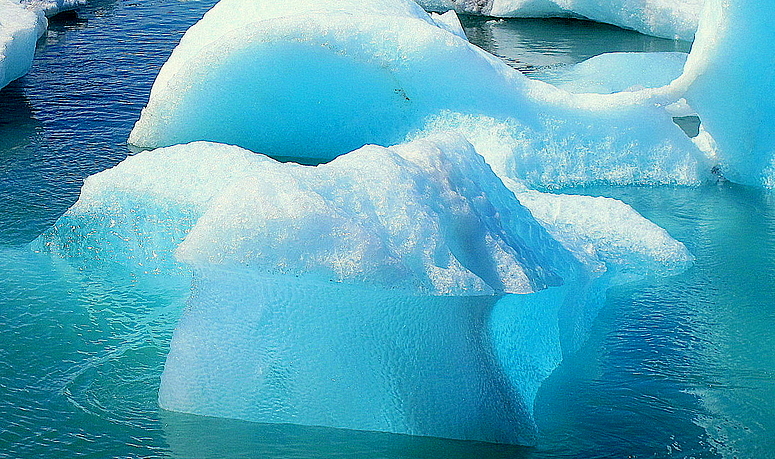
column 321, row 84
column 424, row 217
column 20, row 28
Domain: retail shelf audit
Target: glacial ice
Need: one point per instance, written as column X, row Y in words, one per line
column 320, row 85
column 661, row 18
column 607, row 235
column 21, row 25
column 732, row 75
column 20, row 28
column 335, row 295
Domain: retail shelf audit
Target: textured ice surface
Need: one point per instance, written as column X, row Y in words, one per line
column 662, row 18
column 615, row 72
column 335, row 295
column 319, row 85
column 425, row 217
column 556, row 152
column 20, row 28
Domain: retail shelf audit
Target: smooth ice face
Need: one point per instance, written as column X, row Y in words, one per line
column 292, row 62
column 661, row 18
column 319, row 85
column 734, row 77
column 283, row 350
column 20, row 28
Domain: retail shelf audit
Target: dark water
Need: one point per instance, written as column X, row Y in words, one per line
column 678, row 367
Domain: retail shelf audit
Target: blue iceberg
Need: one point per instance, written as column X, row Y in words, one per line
column 402, row 289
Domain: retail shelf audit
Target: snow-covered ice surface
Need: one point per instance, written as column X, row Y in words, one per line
column 662, row 18
column 20, row 28
column 424, row 217
column 319, row 85
column 607, row 235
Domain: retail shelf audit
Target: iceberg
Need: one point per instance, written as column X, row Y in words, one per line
column 20, row 28
column 298, row 84
column 21, row 25
column 335, row 295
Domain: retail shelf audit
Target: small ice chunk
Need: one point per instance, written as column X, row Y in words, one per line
column 615, row 72
column 20, row 28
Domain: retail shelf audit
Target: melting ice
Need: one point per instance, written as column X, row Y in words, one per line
column 423, row 286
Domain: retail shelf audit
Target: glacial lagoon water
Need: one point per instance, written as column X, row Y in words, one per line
column 676, row 367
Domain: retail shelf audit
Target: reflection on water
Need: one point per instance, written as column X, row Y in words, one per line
column 530, row 45
column 685, row 364
column 199, row 437
column 19, row 131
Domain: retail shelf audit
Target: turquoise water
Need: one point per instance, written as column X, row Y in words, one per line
column 677, row 367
